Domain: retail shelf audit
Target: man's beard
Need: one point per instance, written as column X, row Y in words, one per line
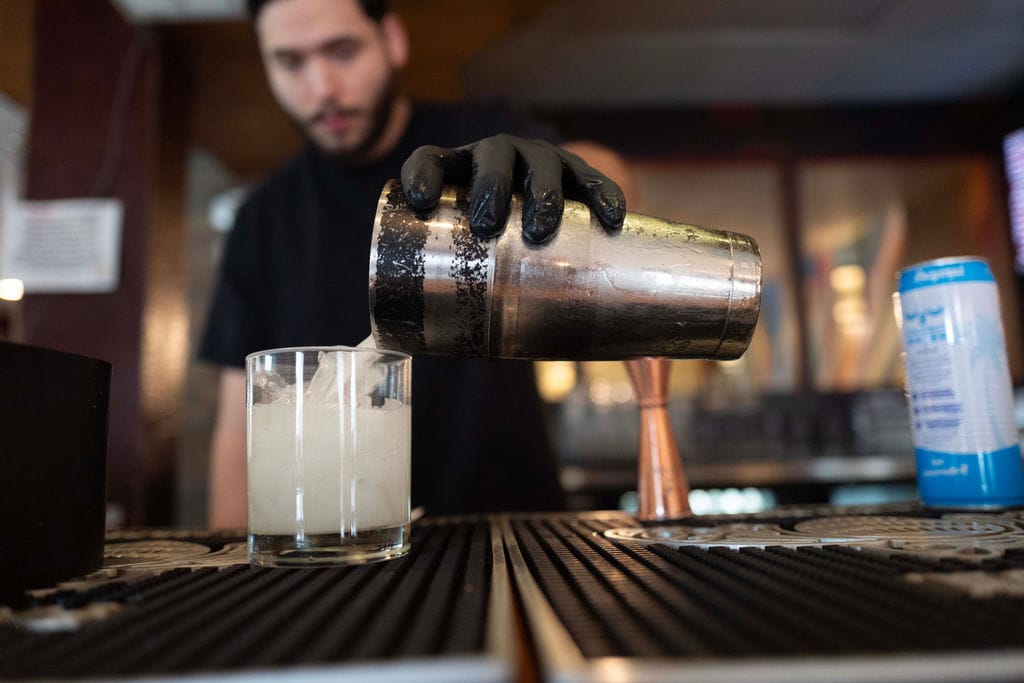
column 379, row 115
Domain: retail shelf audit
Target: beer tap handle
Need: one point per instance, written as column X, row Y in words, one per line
column 663, row 490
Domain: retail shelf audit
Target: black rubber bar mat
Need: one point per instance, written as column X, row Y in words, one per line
column 628, row 600
column 705, row 609
column 429, row 610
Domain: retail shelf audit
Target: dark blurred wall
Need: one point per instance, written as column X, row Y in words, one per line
column 93, row 128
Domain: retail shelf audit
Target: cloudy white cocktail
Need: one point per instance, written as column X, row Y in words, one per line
column 329, row 439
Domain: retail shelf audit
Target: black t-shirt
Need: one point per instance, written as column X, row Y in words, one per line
column 295, row 273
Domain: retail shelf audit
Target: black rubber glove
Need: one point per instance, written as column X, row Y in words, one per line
column 495, row 167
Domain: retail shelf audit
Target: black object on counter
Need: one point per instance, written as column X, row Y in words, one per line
column 53, row 448
column 431, row 607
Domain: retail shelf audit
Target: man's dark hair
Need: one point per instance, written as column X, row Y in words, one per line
column 375, row 9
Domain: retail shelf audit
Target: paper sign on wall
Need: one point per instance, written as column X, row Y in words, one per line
column 62, row 245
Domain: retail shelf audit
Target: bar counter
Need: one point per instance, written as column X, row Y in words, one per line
column 895, row 593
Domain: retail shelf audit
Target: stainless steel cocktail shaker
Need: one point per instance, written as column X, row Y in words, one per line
column 655, row 288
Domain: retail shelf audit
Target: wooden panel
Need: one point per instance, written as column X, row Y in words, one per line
column 16, row 19
column 232, row 113
column 92, row 134
column 445, row 35
column 165, row 324
column 228, row 104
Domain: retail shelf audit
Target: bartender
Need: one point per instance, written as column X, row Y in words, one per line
column 295, row 267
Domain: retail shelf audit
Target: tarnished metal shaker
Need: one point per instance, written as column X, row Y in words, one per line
column 654, row 288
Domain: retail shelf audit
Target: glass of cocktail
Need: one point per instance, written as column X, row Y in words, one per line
column 329, row 441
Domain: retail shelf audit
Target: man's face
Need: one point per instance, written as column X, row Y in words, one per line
column 332, row 69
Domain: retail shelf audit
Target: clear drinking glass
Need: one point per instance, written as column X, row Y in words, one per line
column 329, row 440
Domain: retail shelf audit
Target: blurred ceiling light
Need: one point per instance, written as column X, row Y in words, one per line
column 169, row 11
column 622, row 392
column 849, row 278
column 555, row 379
column 11, row 289
column 600, row 392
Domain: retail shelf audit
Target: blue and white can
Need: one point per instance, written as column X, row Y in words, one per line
column 958, row 385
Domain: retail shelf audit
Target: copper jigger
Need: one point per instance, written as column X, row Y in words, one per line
column 663, row 489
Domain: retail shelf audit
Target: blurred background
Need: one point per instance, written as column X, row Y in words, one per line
column 850, row 139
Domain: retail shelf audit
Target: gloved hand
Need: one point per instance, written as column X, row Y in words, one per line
column 497, row 166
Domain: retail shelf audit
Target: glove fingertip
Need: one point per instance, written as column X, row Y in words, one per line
column 488, row 206
column 422, row 178
column 483, row 219
column 417, row 195
column 611, row 211
column 540, row 229
column 485, row 230
column 538, row 236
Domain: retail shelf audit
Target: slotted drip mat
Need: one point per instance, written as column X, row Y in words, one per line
column 968, row 536
column 797, row 594
column 912, row 596
column 170, row 604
